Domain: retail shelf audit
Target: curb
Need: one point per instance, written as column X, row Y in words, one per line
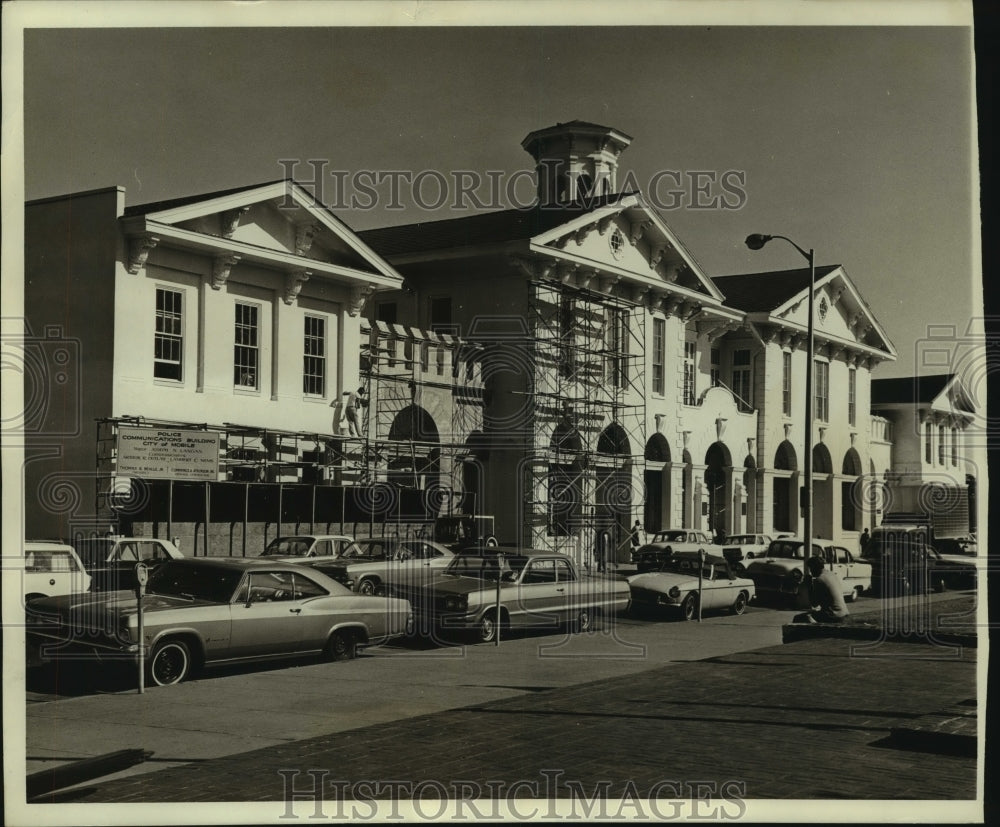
column 792, row 632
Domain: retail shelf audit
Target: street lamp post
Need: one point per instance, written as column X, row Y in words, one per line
column 755, row 242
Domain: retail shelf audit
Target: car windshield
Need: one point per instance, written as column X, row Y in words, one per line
column 177, row 578
column 742, row 539
column 93, row 551
column 685, row 565
column 366, row 551
column 671, row 536
column 789, row 550
column 486, row 567
column 289, row 547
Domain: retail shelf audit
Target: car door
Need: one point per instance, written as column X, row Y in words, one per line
column 719, row 587
column 267, row 616
column 539, row 601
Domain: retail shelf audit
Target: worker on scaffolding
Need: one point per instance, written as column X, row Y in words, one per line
column 355, row 400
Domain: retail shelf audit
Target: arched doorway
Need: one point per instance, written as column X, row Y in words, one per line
column 656, row 476
column 564, row 493
column 785, row 514
column 474, row 473
column 851, row 506
column 414, row 462
column 750, row 486
column 718, row 482
column 822, row 492
column 614, row 487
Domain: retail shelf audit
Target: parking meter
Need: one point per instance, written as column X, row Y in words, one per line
column 141, row 576
column 701, row 579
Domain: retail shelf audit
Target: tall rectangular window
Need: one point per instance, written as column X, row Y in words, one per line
column 741, row 388
column 168, row 341
column 716, row 370
column 852, row 399
column 246, row 347
column 616, row 347
column 567, row 354
column 954, row 446
column 928, row 437
column 689, row 376
column 314, row 357
column 941, row 444
column 822, row 391
column 786, row 383
column 659, row 355
column 441, row 314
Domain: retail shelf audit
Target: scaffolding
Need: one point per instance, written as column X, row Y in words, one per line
column 401, row 470
column 589, row 416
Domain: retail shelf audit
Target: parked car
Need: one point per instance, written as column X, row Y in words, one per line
column 370, row 563
column 307, row 548
column 538, row 590
column 212, row 610
column 674, row 586
column 904, row 561
column 664, row 543
column 780, row 570
column 111, row 560
column 742, row 547
column 52, row 568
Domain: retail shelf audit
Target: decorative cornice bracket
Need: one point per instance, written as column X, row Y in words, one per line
column 231, row 220
column 293, row 285
column 138, row 252
column 221, row 267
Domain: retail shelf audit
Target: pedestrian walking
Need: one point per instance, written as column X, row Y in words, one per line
column 636, row 537
column 864, row 540
column 720, row 536
column 602, row 548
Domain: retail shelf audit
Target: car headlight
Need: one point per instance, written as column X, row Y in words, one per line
column 456, row 603
column 674, row 592
column 796, row 575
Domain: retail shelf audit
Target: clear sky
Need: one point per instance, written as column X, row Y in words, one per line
column 853, row 140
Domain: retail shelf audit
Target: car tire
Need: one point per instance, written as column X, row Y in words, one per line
column 740, row 603
column 584, row 620
column 689, row 608
column 341, row 645
column 486, row 630
column 169, row 664
column 368, row 587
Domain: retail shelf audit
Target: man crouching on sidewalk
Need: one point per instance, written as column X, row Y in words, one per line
column 826, row 596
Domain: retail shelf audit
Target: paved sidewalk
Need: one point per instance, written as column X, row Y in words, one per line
column 801, row 720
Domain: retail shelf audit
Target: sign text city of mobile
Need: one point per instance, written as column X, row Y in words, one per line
column 167, row 454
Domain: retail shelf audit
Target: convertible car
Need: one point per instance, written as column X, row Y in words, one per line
column 201, row 611
column 674, row 587
column 537, row 590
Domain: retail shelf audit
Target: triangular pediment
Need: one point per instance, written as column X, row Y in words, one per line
column 630, row 239
column 954, row 397
column 281, row 217
column 841, row 313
